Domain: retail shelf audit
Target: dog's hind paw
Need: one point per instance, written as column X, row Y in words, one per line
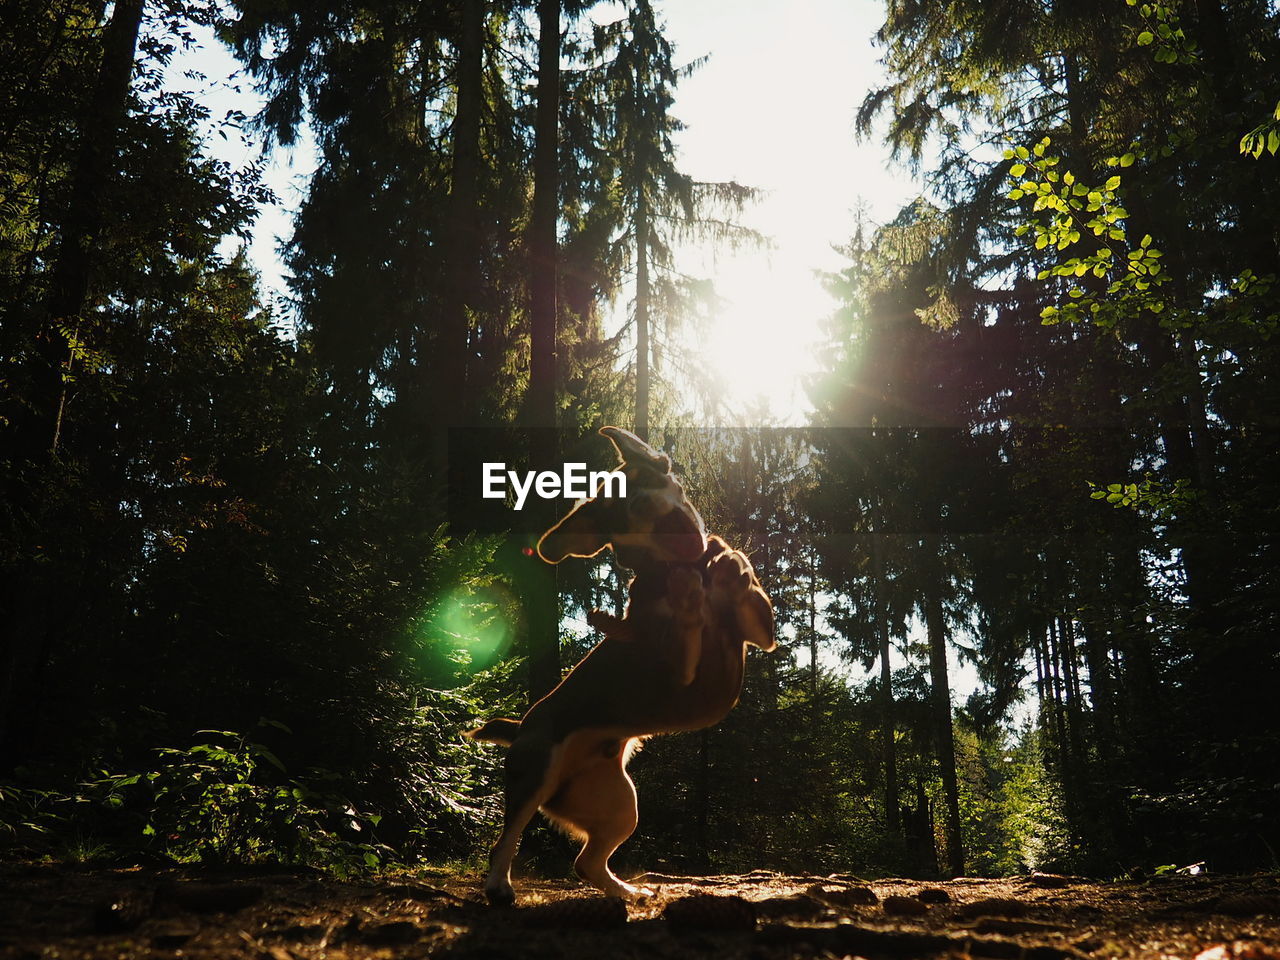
column 500, row 895
column 629, row 891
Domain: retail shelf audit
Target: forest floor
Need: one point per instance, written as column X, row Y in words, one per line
column 64, row 911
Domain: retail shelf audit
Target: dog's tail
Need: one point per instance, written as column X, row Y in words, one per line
column 500, row 730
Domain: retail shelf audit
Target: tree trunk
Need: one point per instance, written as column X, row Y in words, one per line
column 541, row 601
column 461, row 280
column 888, row 733
column 813, row 631
column 1101, row 697
column 940, row 698
column 642, row 321
column 542, row 224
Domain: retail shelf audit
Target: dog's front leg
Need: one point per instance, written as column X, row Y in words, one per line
column 530, row 781
column 684, row 594
column 736, row 604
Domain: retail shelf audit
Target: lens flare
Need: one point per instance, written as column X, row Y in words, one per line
column 469, row 628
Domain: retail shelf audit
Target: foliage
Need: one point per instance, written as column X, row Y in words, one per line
column 231, row 800
column 228, row 800
column 1265, row 136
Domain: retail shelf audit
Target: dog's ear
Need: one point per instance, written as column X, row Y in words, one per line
column 634, row 451
column 583, row 533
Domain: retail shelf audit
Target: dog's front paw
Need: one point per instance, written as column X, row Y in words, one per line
column 730, row 578
column 684, row 593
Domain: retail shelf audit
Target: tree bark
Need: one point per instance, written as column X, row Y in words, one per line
column 888, row 733
column 642, row 320
column 542, row 602
column 944, row 736
column 462, row 273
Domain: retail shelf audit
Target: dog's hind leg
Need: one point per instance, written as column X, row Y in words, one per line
column 530, row 780
column 600, row 803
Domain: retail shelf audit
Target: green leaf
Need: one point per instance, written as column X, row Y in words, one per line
column 1127, row 160
column 1017, row 170
column 258, row 750
column 1145, row 38
column 1112, row 183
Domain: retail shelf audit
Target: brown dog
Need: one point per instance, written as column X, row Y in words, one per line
column 568, row 754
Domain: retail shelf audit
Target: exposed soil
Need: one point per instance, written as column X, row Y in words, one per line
column 70, row 912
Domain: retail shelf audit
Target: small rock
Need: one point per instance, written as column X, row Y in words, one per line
column 904, row 907
column 844, row 896
column 933, row 895
column 797, row 907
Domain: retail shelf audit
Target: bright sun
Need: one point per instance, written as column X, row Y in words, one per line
column 762, row 342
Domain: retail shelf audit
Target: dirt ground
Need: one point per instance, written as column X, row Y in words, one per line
column 73, row 912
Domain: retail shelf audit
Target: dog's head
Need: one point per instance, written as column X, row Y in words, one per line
column 654, row 522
